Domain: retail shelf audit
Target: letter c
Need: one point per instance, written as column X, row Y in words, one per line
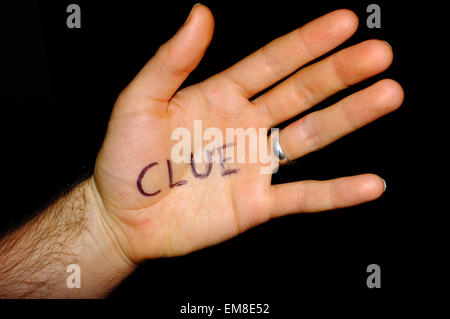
column 141, row 176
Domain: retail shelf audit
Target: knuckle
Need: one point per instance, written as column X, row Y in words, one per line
column 270, row 62
column 302, row 93
column 170, row 61
column 349, row 116
column 340, row 71
column 309, row 133
column 303, row 44
column 300, row 200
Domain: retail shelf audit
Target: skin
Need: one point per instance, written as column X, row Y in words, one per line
column 180, row 220
column 205, row 212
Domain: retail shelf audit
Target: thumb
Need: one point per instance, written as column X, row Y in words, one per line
column 165, row 72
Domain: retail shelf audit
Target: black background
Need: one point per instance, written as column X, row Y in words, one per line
column 61, row 87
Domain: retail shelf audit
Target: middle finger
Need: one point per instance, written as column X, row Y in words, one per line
column 316, row 82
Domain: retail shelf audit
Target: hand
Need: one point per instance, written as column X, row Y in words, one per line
column 163, row 219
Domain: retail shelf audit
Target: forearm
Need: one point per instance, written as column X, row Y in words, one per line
column 74, row 230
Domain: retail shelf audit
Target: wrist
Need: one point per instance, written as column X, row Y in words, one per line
column 74, row 230
column 108, row 253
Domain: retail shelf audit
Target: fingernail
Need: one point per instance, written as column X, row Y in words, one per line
column 384, row 182
column 190, row 13
column 388, row 44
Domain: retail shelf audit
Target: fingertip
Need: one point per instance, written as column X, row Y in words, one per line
column 346, row 22
column 394, row 91
column 381, row 54
column 372, row 186
column 348, row 18
column 387, row 48
column 202, row 14
column 340, row 25
column 391, row 95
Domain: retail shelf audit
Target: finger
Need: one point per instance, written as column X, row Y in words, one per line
column 315, row 83
column 323, row 127
column 316, row 196
column 172, row 63
column 284, row 55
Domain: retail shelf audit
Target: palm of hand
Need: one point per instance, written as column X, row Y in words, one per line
column 201, row 212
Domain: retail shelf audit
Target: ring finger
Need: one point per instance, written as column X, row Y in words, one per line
column 323, row 127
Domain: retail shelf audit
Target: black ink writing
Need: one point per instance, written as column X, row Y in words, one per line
column 224, row 160
column 194, row 171
column 171, row 183
column 141, row 176
column 208, row 170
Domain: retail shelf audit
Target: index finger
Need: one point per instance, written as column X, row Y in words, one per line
column 286, row 54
